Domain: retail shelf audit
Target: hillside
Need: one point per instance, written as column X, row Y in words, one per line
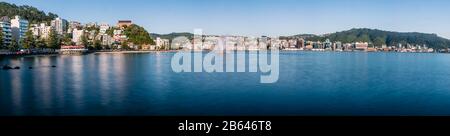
column 32, row 14
column 380, row 37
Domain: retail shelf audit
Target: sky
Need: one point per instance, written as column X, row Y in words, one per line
column 258, row 17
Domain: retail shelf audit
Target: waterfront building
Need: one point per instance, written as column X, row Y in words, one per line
column 162, row 43
column 5, row 24
column 348, row 46
column 338, row 46
column 77, row 49
column 106, row 40
column 301, row 43
column 76, row 36
column 317, row 45
column 361, row 45
column 122, row 23
column 327, row 44
column 60, row 25
column 19, row 27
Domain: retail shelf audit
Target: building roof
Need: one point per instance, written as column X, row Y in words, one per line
column 124, row 21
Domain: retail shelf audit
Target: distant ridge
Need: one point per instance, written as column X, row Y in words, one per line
column 380, row 37
column 172, row 35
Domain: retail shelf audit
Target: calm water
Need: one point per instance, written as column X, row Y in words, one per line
column 310, row 83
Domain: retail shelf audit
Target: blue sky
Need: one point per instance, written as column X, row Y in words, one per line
column 259, row 17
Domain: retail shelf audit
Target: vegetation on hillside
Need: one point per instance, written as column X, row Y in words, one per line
column 138, row 35
column 32, row 14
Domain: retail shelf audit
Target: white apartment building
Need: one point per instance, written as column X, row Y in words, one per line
column 19, row 27
column 60, row 25
column 104, row 28
column 106, row 39
column 41, row 30
column 5, row 25
column 162, row 43
column 76, row 36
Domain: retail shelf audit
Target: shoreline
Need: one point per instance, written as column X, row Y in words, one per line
column 173, row 51
column 131, row 52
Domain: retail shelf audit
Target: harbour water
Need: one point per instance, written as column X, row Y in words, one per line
column 310, row 83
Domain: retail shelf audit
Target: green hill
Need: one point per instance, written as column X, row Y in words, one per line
column 32, row 14
column 380, row 37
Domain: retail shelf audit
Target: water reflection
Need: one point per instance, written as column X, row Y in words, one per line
column 310, row 84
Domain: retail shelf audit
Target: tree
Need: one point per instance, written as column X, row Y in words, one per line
column 124, row 45
column 97, row 44
column 40, row 43
column 32, row 14
column 84, row 40
column 14, row 46
column 53, row 40
column 138, row 35
column 29, row 41
column 67, row 39
column 379, row 41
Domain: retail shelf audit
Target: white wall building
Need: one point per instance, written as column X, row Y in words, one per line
column 41, row 30
column 76, row 36
column 19, row 27
column 162, row 43
column 103, row 28
column 60, row 25
column 5, row 25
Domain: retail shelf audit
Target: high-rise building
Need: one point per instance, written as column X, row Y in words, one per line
column 60, row 25
column 5, row 25
column 19, row 27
